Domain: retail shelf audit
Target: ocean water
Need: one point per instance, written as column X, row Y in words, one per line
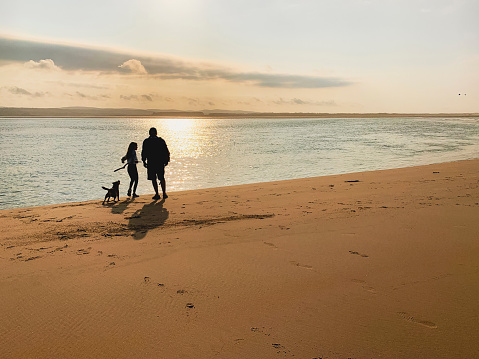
column 58, row 160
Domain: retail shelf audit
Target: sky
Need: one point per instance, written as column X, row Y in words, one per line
column 329, row 56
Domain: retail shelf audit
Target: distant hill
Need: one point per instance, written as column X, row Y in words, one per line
column 72, row 112
column 94, row 112
column 130, row 112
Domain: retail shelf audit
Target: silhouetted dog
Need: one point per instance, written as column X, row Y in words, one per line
column 112, row 192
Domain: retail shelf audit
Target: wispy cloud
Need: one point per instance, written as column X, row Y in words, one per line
column 298, row 101
column 21, row 91
column 144, row 97
column 78, row 84
column 129, row 97
column 76, row 58
column 84, row 96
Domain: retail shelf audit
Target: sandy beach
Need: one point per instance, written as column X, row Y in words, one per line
column 380, row 264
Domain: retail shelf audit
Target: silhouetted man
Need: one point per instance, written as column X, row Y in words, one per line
column 155, row 157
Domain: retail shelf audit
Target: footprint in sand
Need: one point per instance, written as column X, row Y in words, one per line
column 59, row 249
column 21, row 257
column 272, row 245
column 280, row 349
column 359, row 254
column 83, row 251
column 369, row 289
column 424, row 323
column 364, row 285
column 147, row 280
column 301, row 265
column 191, row 311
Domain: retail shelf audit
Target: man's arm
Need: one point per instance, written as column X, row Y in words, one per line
column 144, row 152
column 167, row 154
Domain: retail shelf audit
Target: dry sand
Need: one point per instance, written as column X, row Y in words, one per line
column 368, row 265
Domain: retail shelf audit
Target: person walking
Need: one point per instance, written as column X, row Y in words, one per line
column 131, row 161
column 155, row 156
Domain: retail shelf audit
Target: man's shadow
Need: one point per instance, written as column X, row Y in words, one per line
column 151, row 216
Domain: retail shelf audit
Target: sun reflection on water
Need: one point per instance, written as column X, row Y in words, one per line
column 189, row 142
column 213, row 152
column 185, row 137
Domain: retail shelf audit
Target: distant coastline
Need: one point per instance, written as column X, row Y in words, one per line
column 92, row 112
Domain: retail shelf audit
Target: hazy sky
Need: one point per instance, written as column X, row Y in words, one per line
column 258, row 55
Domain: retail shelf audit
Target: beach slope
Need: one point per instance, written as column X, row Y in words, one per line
column 380, row 264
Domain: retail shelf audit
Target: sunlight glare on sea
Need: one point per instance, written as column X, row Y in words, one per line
column 57, row 160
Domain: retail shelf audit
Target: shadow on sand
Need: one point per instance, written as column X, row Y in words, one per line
column 152, row 215
column 120, row 207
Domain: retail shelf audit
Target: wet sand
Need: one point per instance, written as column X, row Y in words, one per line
column 380, row 264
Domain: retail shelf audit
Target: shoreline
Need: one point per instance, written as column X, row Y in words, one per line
column 123, row 197
column 367, row 264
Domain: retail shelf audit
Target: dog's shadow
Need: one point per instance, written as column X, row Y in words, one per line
column 120, row 206
column 152, row 215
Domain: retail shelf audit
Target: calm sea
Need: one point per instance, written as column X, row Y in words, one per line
column 48, row 161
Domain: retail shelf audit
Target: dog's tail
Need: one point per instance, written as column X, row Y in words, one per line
column 105, row 188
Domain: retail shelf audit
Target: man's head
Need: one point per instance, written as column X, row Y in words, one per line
column 153, row 131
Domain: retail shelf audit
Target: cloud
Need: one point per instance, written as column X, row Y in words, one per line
column 78, row 84
column 259, row 79
column 164, row 67
column 134, row 66
column 46, row 64
column 193, row 102
column 129, row 98
column 148, row 98
column 84, row 96
column 298, row 101
column 20, row 91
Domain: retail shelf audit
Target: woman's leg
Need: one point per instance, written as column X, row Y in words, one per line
column 129, row 189
column 131, row 172
column 134, row 178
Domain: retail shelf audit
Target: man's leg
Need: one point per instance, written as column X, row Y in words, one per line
column 155, row 186
column 163, row 187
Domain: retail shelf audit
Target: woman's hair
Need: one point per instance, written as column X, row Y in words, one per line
column 131, row 148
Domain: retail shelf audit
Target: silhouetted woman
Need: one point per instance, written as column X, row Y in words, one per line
column 131, row 161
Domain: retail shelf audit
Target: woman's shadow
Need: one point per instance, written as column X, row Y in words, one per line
column 152, row 215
